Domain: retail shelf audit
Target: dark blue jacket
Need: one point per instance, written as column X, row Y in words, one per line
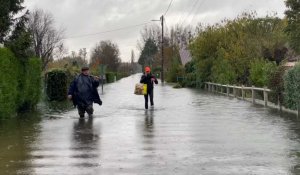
column 146, row 79
column 84, row 91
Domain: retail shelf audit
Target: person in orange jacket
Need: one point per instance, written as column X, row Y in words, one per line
column 149, row 79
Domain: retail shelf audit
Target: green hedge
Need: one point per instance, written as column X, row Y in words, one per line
column 56, row 85
column 223, row 72
column 20, row 83
column 31, row 83
column 260, row 70
column 190, row 80
column 122, row 75
column 292, row 87
column 9, row 81
column 110, row 77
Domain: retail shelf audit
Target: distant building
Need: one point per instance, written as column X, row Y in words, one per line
column 290, row 64
column 292, row 60
column 185, row 55
column 1, row 45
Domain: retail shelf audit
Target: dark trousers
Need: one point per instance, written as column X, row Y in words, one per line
column 149, row 94
column 82, row 109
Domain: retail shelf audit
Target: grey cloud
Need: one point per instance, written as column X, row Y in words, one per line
column 80, row 17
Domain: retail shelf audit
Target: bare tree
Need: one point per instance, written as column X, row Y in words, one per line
column 132, row 57
column 106, row 53
column 46, row 38
column 60, row 52
column 82, row 53
column 152, row 32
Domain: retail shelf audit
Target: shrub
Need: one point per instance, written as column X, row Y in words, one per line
column 275, row 83
column 175, row 71
column 122, row 75
column 56, row 85
column 292, row 87
column 190, row 80
column 260, row 70
column 222, row 72
column 110, row 77
column 31, row 93
column 203, row 71
column 177, row 86
column 20, row 83
column 9, row 73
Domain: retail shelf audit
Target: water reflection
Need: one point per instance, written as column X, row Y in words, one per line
column 55, row 107
column 148, row 132
column 85, row 143
column 84, row 133
column 17, row 135
column 149, row 123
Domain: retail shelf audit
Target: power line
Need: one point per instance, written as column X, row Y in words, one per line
column 108, row 31
column 202, row 3
column 181, row 16
column 117, row 29
column 168, row 7
column 192, row 9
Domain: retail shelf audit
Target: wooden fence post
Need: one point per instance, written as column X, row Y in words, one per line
column 298, row 109
column 243, row 92
column 253, row 95
column 227, row 90
column 279, row 103
column 234, row 91
column 266, row 97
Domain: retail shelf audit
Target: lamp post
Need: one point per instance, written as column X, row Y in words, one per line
column 162, row 47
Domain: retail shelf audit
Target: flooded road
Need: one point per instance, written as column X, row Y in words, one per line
column 187, row 132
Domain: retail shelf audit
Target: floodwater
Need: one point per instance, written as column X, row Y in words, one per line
column 187, row 132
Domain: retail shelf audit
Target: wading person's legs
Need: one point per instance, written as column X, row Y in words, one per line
column 90, row 110
column 151, row 97
column 81, row 111
column 146, row 101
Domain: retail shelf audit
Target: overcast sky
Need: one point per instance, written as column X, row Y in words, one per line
column 82, row 17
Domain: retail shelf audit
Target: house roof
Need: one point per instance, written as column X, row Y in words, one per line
column 290, row 64
column 185, row 55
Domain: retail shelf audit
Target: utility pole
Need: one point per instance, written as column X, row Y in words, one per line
column 162, row 48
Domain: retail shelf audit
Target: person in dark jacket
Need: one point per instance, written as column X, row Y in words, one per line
column 149, row 79
column 83, row 92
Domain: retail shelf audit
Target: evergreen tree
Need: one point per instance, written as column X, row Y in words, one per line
column 148, row 53
column 293, row 27
column 20, row 40
column 8, row 8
